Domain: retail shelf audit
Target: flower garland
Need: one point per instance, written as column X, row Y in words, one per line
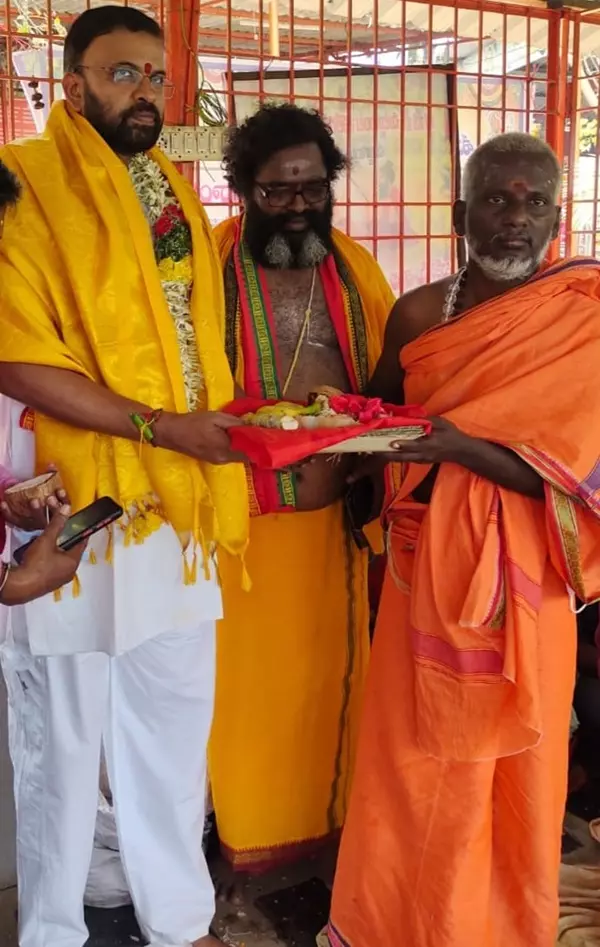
column 173, row 251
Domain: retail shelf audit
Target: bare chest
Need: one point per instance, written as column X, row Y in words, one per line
column 307, row 359
column 291, row 298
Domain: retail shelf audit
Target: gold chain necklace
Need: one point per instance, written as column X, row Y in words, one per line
column 303, row 330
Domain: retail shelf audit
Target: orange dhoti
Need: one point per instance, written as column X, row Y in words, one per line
column 453, row 835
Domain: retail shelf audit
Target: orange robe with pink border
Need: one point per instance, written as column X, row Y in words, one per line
column 454, row 829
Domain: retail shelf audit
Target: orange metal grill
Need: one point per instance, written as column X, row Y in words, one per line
column 410, row 89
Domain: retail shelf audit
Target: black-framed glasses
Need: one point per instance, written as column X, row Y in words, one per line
column 130, row 76
column 284, row 195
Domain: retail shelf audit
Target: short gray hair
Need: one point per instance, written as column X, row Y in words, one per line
column 514, row 143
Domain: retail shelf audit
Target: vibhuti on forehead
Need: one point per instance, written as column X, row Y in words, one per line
column 296, row 166
column 294, row 163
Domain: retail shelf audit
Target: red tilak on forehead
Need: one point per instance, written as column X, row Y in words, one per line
column 518, row 185
column 147, row 68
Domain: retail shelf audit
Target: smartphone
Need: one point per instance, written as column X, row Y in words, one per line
column 81, row 525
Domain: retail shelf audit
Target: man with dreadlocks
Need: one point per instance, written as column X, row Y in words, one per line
column 306, row 306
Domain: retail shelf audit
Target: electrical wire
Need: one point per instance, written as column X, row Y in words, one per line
column 207, row 104
column 207, row 101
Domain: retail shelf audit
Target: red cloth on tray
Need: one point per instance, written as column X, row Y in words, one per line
column 272, row 449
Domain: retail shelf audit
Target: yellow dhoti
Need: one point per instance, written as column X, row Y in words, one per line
column 292, row 653
column 291, row 662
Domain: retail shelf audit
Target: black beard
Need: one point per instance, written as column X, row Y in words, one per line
column 274, row 247
column 124, row 139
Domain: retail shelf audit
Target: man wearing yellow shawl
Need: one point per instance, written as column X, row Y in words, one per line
column 306, row 306
column 111, row 349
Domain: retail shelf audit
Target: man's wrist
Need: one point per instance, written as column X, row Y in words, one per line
column 162, row 429
column 20, row 586
column 468, row 451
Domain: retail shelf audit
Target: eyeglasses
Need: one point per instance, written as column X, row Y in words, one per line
column 284, row 195
column 133, row 78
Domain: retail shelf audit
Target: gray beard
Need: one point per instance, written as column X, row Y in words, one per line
column 508, row 270
column 279, row 255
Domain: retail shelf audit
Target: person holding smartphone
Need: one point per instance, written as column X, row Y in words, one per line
column 44, row 567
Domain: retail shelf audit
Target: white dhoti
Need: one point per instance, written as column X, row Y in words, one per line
column 154, row 707
column 142, row 680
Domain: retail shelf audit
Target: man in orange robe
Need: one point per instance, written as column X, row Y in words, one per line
column 493, row 527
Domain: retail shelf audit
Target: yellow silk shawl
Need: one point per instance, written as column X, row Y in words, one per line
column 80, row 291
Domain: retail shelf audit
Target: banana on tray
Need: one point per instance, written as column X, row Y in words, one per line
column 290, row 416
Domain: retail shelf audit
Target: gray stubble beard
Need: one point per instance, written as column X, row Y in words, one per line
column 509, row 269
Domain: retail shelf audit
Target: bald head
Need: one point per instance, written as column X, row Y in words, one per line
column 509, row 211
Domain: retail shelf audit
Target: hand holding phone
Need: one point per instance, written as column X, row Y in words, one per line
column 88, row 521
column 81, row 526
column 43, row 566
